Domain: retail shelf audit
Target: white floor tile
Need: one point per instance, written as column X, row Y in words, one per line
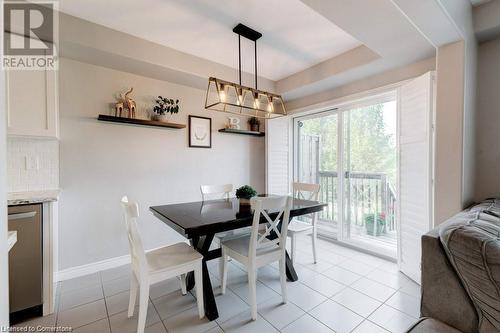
column 164, row 288
column 357, row 302
column 304, row 297
column 118, row 303
column 342, row 275
column 100, row 326
column 391, row 319
column 79, row 297
column 322, row 284
column 405, row 303
column 337, row 317
column 306, row 323
column 116, row 273
column 116, row 286
column 82, row 315
column 373, row 289
column 83, row 282
column 156, row 328
column 188, row 322
column 243, row 323
column 369, row 327
column 229, row 305
column 389, row 279
column 121, row 323
column 411, row 288
column 356, row 266
column 173, row 303
column 279, row 314
column 264, row 293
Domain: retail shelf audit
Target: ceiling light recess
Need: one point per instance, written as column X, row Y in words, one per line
column 235, row 98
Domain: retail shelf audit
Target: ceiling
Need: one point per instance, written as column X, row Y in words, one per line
column 295, row 37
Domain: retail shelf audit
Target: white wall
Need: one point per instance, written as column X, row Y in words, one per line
column 44, row 152
column 488, row 121
column 100, row 162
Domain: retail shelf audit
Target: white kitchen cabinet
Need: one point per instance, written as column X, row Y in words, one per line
column 32, row 102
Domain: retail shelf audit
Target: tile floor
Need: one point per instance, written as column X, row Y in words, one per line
column 346, row 291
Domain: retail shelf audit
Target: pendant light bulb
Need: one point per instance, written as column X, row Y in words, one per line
column 222, row 93
column 256, row 102
column 270, row 106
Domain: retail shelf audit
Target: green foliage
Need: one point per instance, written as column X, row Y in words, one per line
column 371, row 148
column 245, row 192
column 166, row 105
column 253, row 121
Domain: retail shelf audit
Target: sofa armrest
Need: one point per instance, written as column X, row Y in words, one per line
column 443, row 297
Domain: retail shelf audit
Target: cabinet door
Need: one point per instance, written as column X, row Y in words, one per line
column 32, row 102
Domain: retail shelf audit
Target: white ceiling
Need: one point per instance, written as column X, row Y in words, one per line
column 295, row 37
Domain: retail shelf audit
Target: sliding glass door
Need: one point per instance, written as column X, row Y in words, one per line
column 316, row 142
column 351, row 152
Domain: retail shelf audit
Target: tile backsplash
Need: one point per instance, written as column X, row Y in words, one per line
column 32, row 164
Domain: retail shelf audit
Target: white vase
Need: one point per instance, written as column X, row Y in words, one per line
column 163, row 117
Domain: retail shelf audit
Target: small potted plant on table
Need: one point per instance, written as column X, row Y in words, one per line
column 165, row 108
column 254, row 123
column 245, row 193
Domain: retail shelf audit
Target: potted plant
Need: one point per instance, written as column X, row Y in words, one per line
column 370, row 224
column 245, row 193
column 254, row 123
column 164, row 108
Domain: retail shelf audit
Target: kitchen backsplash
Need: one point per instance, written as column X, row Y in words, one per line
column 32, row 164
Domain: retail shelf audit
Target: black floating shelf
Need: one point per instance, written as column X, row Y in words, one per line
column 142, row 122
column 239, row 131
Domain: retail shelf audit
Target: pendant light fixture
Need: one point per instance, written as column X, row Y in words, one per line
column 235, row 98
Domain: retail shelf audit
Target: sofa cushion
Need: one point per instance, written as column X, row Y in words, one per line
column 472, row 242
column 430, row 325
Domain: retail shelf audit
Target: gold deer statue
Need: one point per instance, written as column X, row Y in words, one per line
column 126, row 103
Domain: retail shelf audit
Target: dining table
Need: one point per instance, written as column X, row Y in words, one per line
column 200, row 221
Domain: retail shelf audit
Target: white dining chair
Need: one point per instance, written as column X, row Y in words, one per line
column 157, row 265
column 306, row 192
column 209, row 192
column 256, row 250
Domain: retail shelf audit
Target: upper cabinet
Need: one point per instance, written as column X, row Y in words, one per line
column 32, row 102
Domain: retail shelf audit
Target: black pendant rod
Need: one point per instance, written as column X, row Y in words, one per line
column 255, row 42
column 239, row 56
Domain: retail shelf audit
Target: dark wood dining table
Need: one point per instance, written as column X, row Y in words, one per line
column 200, row 221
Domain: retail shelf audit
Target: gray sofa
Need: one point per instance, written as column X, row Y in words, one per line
column 461, row 273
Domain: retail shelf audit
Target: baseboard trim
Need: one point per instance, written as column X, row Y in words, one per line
column 77, row 271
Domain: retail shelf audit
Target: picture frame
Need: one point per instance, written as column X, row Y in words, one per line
column 200, row 132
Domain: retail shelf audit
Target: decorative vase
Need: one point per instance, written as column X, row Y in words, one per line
column 254, row 128
column 244, row 202
column 161, row 117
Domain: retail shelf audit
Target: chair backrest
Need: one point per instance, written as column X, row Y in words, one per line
column 306, row 191
column 138, row 256
column 262, row 207
column 209, row 192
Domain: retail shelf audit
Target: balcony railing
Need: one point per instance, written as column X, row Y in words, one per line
column 366, row 193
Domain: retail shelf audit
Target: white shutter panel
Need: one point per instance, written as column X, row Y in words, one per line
column 278, row 175
column 415, row 167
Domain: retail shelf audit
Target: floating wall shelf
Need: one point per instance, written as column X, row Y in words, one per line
column 142, row 122
column 239, row 131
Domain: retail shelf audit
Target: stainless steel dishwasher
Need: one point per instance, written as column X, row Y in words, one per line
column 25, row 262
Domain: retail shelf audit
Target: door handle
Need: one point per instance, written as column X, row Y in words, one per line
column 19, row 216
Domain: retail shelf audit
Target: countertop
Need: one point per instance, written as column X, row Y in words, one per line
column 20, row 198
column 12, row 239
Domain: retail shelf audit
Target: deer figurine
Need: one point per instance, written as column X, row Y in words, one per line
column 129, row 103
